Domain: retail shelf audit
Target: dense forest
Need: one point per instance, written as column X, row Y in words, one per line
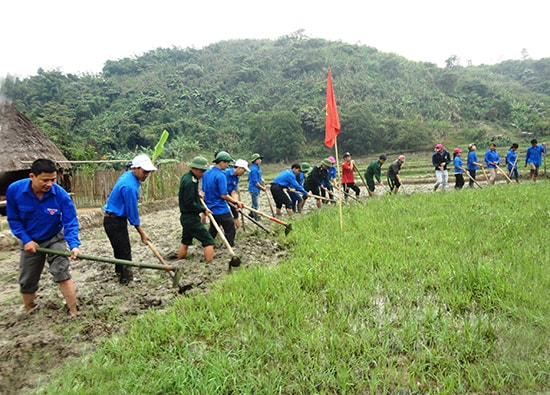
column 269, row 96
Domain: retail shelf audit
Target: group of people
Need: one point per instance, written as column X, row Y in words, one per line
column 491, row 161
column 42, row 214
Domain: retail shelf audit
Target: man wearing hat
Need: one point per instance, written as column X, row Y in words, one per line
column 318, row 175
column 122, row 207
column 216, row 196
column 190, row 209
column 255, row 183
column 348, row 181
column 331, row 178
column 440, row 160
column 458, row 168
column 233, row 175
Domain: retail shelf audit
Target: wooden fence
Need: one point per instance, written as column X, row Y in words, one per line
column 93, row 189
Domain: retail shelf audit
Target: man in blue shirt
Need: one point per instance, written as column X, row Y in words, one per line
column 121, row 208
column 286, row 180
column 492, row 159
column 255, row 183
column 533, row 158
column 216, row 196
column 42, row 214
column 511, row 162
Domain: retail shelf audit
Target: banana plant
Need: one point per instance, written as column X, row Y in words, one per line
column 160, row 145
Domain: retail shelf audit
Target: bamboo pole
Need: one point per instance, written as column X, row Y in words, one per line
column 107, row 260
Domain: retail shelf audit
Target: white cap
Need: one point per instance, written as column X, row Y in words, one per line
column 241, row 163
column 143, row 161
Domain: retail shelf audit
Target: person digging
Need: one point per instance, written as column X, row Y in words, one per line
column 42, row 214
column 191, row 207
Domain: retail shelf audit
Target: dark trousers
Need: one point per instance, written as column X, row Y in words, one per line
column 459, row 180
column 117, row 232
column 473, row 175
column 227, row 224
column 351, row 185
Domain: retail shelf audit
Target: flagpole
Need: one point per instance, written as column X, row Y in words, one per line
column 332, row 128
column 338, row 182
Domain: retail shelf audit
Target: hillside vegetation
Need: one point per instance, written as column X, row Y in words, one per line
column 423, row 293
column 269, row 96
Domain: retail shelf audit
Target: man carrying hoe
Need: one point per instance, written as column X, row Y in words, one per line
column 42, row 214
column 190, row 209
column 121, row 208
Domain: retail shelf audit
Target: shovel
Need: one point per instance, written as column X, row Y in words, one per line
column 171, row 269
column 323, row 198
column 269, row 201
column 485, row 174
column 514, row 165
column 288, row 227
column 504, row 173
column 359, row 174
column 472, row 178
column 235, row 260
column 253, row 220
column 175, row 276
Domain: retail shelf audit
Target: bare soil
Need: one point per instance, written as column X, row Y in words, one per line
column 31, row 345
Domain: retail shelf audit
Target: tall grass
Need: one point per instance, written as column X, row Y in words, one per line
column 427, row 293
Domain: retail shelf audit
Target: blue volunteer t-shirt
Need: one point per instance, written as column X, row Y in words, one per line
column 214, row 185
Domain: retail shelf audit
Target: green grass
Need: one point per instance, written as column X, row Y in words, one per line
column 427, row 293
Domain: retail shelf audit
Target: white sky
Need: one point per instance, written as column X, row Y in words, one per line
column 78, row 36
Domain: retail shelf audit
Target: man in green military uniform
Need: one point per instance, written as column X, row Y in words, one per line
column 190, row 209
column 374, row 170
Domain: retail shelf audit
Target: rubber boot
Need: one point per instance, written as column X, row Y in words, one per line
column 28, row 300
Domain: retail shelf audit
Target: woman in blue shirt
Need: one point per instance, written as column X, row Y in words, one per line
column 472, row 164
column 458, row 169
column 511, row 162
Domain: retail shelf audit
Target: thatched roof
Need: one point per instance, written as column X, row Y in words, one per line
column 23, row 142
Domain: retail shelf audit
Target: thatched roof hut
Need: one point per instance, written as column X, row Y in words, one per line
column 23, row 142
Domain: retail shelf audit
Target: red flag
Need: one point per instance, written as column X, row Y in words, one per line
column 332, row 124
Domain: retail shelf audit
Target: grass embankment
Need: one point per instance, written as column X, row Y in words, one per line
column 428, row 293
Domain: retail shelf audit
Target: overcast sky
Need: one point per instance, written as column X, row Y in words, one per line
column 78, row 36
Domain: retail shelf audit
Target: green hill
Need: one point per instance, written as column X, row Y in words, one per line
column 268, row 95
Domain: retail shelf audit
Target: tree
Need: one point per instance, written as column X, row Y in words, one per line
column 277, row 135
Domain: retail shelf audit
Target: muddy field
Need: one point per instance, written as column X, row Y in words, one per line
column 104, row 304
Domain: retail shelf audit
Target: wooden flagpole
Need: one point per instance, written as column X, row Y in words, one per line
column 338, row 182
